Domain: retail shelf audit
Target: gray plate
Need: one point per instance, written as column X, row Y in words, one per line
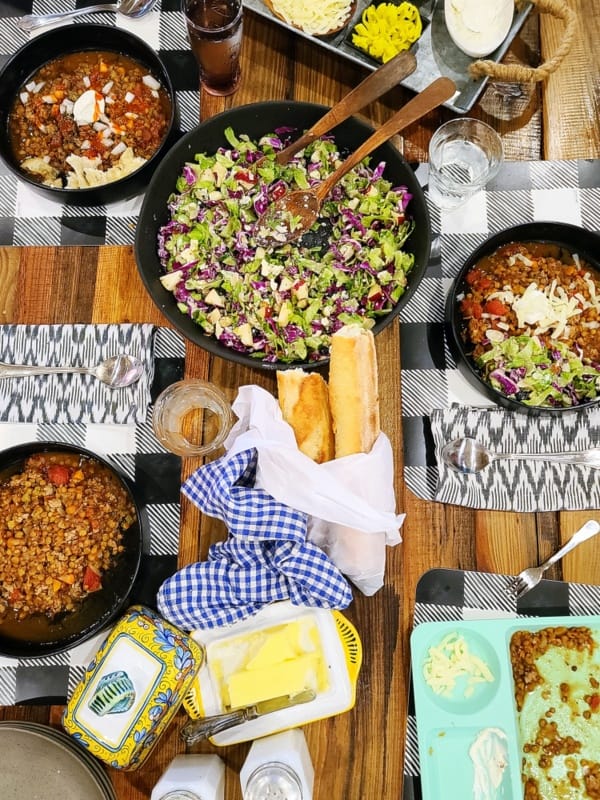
column 435, row 51
column 61, row 771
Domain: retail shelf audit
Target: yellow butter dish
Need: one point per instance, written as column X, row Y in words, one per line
column 132, row 689
column 282, row 650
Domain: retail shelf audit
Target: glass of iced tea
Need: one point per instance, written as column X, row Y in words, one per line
column 215, row 34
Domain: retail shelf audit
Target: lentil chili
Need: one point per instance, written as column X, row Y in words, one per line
column 62, row 520
column 88, row 118
column 530, row 319
column 554, row 740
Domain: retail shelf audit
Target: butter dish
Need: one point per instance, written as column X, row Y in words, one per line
column 132, row 689
column 282, row 649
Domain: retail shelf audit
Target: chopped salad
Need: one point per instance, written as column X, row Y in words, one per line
column 283, row 303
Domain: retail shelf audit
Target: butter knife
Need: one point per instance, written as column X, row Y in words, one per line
column 199, row 729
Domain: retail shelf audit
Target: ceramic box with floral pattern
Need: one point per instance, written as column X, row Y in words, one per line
column 132, row 689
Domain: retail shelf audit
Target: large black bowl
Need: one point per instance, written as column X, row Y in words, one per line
column 574, row 239
column 256, row 120
column 72, row 39
column 40, row 635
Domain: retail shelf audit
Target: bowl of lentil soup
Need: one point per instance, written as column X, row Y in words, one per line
column 85, row 114
column 70, row 546
column 523, row 318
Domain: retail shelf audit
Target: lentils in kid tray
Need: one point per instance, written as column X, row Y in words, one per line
column 86, row 119
column 282, row 304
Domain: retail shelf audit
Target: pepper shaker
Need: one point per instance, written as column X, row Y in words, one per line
column 192, row 777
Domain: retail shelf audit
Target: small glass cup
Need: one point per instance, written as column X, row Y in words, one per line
column 215, row 34
column 192, row 418
column 464, row 155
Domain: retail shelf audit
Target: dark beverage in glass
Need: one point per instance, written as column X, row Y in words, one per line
column 215, row 33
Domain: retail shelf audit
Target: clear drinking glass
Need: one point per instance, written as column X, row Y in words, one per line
column 215, row 34
column 464, row 155
column 192, row 418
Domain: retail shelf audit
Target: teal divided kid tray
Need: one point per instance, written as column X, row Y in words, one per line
column 481, row 717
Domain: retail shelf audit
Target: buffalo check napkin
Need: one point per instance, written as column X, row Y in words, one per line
column 265, row 558
column 520, row 485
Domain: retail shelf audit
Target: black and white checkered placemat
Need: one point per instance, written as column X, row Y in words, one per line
column 28, row 217
column 565, row 191
column 157, row 476
column 444, row 594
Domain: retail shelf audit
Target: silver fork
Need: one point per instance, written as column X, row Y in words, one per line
column 526, row 580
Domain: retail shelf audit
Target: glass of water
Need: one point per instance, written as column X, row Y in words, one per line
column 464, row 155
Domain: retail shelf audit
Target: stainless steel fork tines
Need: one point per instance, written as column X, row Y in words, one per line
column 526, row 580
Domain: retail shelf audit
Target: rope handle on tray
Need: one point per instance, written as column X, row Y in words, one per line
column 516, row 73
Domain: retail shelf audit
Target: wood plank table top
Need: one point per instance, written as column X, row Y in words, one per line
column 357, row 754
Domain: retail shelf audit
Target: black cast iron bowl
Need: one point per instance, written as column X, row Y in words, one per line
column 257, row 119
column 571, row 237
column 72, row 39
column 40, row 636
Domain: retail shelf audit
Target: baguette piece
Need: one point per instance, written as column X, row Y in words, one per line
column 304, row 402
column 353, row 390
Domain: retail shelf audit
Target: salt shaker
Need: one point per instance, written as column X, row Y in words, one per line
column 278, row 767
column 192, row 777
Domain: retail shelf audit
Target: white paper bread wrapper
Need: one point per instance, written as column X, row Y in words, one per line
column 350, row 501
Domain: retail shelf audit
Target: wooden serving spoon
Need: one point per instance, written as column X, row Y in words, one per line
column 371, row 88
column 293, row 214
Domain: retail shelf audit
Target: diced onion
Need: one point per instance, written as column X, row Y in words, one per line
column 151, row 82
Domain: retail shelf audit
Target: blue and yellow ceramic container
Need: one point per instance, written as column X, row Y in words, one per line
column 132, row 689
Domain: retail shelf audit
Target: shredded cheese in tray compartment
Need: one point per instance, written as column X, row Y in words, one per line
column 314, row 17
column 450, row 660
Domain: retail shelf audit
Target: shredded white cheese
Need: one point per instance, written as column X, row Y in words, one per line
column 316, row 17
column 450, row 660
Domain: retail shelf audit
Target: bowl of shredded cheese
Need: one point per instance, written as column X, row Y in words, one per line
column 323, row 18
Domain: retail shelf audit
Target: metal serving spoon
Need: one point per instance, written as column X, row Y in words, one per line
column 371, row 88
column 116, row 371
column 129, row 8
column 293, row 214
column 470, row 456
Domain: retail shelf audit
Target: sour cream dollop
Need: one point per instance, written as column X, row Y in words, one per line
column 478, row 27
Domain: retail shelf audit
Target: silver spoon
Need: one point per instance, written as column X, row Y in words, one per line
column 470, row 456
column 116, row 371
column 129, row 8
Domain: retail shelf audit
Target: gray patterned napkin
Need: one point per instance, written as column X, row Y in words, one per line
column 74, row 398
column 519, row 485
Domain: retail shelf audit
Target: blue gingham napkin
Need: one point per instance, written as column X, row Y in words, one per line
column 265, row 558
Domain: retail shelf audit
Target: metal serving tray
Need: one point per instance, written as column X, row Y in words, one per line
column 435, row 51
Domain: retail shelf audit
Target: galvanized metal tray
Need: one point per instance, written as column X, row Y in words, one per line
column 435, row 51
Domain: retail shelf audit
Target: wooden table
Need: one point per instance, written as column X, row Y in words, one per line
column 357, row 754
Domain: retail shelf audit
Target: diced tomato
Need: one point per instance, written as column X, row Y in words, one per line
column 58, row 475
column 495, row 307
column 473, row 276
column 470, row 308
column 595, row 702
column 483, row 283
column 91, row 580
